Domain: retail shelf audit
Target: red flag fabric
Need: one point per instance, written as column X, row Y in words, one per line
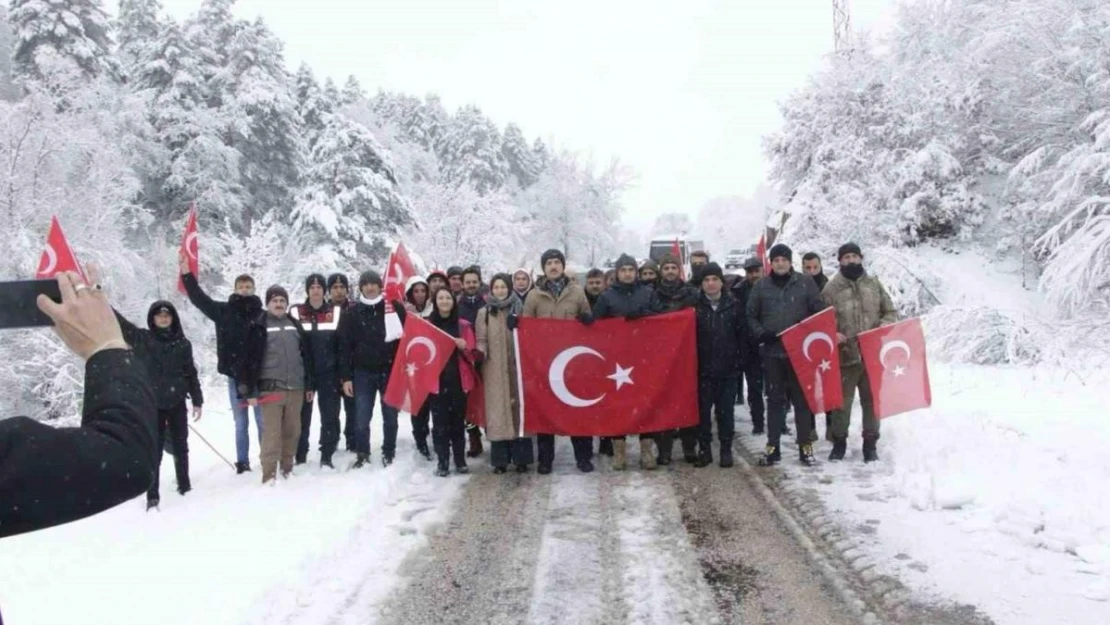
column 897, row 369
column 421, row 356
column 676, row 251
column 609, row 378
column 57, row 255
column 190, row 247
column 761, row 251
column 812, row 348
column 397, row 273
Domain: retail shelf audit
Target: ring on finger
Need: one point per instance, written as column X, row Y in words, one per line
column 81, row 287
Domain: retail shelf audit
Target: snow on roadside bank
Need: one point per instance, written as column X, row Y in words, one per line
column 231, row 551
column 997, row 496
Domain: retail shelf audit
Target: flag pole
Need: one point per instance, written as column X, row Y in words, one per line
column 210, row 446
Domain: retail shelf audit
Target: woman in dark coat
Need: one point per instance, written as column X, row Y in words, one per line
column 457, row 379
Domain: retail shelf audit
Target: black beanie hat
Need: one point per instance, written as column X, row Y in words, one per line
column 552, row 253
column 438, row 274
column 781, row 250
column 711, row 269
column 338, row 278
column 316, row 278
column 848, row 248
column 668, row 259
column 454, row 271
column 276, row 291
column 625, row 261
column 370, row 277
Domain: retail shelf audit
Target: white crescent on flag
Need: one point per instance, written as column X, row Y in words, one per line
column 51, row 259
column 887, row 347
column 191, row 245
column 556, row 375
column 426, row 342
column 815, row 336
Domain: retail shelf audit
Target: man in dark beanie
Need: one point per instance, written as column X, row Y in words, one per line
column 556, row 297
column 698, row 261
column 455, row 280
column 720, row 332
column 777, row 302
column 649, row 273
column 339, row 290
column 365, row 360
column 749, row 349
column 861, row 303
column 320, row 320
column 672, row 294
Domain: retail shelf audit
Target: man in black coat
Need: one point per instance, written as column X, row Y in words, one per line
column 720, row 336
column 169, row 363
column 811, row 266
column 471, row 301
column 320, row 320
column 671, row 295
column 751, row 363
column 777, row 302
column 232, row 319
column 50, row 476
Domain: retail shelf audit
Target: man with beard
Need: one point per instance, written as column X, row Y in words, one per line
column 720, row 333
column 320, row 320
column 671, row 295
column 595, row 284
column 522, row 284
column 632, row 300
column 811, row 265
column 698, row 260
column 555, row 297
column 861, row 304
column 777, row 302
column 649, row 273
column 339, row 295
column 470, row 302
column 233, row 319
column 455, row 280
column 750, row 361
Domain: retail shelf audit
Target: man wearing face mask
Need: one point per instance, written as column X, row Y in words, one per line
column 861, row 304
column 777, row 302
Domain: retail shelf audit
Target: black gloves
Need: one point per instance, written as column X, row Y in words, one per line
column 511, row 322
column 768, row 338
column 586, row 319
column 491, row 311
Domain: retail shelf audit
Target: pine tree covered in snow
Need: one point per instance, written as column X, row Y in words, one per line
column 471, row 151
column 137, row 29
column 73, row 31
column 524, row 164
column 352, row 91
column 312, row 105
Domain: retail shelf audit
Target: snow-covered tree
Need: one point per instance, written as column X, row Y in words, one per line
column 352, row 91
column 312, row 105
column 523, row 163
column 470, row 151
column 672, row 223
column 210, row 33
column 460, row 225
column 75, row 31
column 7, row 47
column 137, row 28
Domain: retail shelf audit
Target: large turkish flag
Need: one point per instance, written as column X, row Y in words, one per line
column 611, row 378
column 421, row 356
column 894, row 356
column 811, row 346
column 397, row 273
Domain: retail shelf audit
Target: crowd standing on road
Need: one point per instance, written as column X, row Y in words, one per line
column 332, row 351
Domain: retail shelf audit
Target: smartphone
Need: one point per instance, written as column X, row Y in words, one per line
column 17, row 303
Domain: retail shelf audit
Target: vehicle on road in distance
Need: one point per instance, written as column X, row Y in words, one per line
column 662, row 245
column 735, row 258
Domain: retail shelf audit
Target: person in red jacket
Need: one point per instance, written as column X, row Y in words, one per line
column 457, row 379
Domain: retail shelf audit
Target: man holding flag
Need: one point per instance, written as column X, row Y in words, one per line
column 861, row 304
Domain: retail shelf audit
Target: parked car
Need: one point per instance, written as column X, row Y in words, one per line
column 735, row 258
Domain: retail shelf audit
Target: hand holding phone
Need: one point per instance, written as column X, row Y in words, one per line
column 19, row 303
column 84, row 320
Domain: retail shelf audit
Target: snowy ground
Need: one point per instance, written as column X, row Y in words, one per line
column 232, row 551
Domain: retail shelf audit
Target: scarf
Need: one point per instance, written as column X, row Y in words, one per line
column 555, row 287
column 511, row 305
column 370, row 302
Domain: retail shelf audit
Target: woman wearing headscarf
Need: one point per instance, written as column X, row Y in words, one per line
column 502, row 397
column 458, row 378
column 522, row 284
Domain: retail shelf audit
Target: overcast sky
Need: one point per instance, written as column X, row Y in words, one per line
column 682, row 90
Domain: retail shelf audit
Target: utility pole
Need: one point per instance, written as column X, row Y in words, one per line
column 841, row 26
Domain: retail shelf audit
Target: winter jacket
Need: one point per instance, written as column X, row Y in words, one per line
column 543, row 304
column 321, row 325
column 624, row 300
column 167, row 356
column 741, row 292
column 469, row 307
column 50, row 476
column 250, row 378
column 673, row 296
column 462, row 362
column 232, row 318
column 499, row 381
column 721, row 335
column 861, row 305
column 361, row 339
column 773, row 308
column 821, row 280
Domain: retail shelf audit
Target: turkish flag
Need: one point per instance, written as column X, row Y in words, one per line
column 812, row 348
column 611, row 378
column 397, row 273
column 761, row 251
column 421, row 356
column 894, row 356
column 190, row 247
column 57, row 255
column 676, row 251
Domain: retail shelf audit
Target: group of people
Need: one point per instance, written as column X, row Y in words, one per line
column 333, row 350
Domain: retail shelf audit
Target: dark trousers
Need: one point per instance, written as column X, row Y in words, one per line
column 368, row 386
column 349, row 421
column 545, row 444
column 448, row 410
column 327, row 396
column 174, row 423
column 420, row 422
column 518, row 451
column 783, row 387
column 719, row 394
column 753, row 374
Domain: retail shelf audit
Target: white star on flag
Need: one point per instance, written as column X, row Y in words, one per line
column 622, row 376
column 898, row 371
column 825, row 365
column 410, row 369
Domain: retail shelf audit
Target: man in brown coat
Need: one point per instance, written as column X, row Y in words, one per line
column 861, row 304
column 556, row 297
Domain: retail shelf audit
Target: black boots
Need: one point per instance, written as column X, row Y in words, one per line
column 361, row 461
column 869, row 452
column 475, row 436
column 840, row 447
column 689, row 451
column 757, row 429
column 805, row 455
column 299, row 459
column 726, row 455
column 585, row 466
column 705, row 457
column 441, row 468
column 387, row 459
column 666, row 447
column 242, row 467
column 771, row 455
column 422, row 449
column 605, row 447
column 325, row 461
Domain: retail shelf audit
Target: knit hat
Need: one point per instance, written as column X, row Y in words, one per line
column 650, row 264
column 668, row 259
column 316, row 278
column 276, row 291
column 369, row 277
column 553, row 253
column 625, row 261
column 711, row 269
column 437, row 274
column 753, row 263
column 848, row 248
column 454, row 271
column 338, row 278
column 780, row 250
